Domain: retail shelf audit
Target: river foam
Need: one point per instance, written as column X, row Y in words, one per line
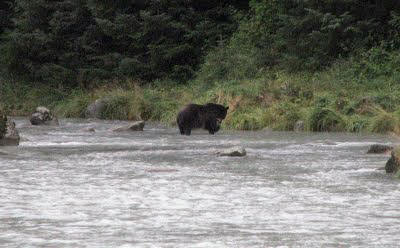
column 64, row 187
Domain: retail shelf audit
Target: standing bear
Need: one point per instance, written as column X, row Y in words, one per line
column 208, row 116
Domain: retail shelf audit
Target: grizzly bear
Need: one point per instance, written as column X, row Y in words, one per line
column 208, row 116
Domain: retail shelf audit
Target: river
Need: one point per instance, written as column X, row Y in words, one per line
column 67, row 187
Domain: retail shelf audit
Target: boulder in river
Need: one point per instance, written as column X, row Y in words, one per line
column 299, row 126
column 95, row 109
column 11, row 136
column 89, row 129
column 380, row 149
column 236, row 151
column 43, row 116
column 135, row 126
column 393, row 164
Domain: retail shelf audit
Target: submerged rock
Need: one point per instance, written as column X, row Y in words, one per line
column 89, row 129
column 379, row 149
column 24, row 139
column 136, row 126
column 393, row 164
column 43, row 116
column 236, row 151
column 11, row 136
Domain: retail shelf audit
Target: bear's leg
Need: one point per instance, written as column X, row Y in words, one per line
column 212, row 126
column 188, row 131
column 217, row 125
column 181, row 130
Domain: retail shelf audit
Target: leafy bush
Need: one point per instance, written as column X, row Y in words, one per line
column 285, row 115
column 384, row 123
column 388, row 102
column 74, row 106
column 325, row 119
column 324, row 101
column 357, row 123
column 228, row 63
column 241, row 120
column 116, row 108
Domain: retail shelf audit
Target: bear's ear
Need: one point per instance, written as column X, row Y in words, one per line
column 227, row 108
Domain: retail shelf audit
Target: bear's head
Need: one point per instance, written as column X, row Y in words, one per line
column 217, row 110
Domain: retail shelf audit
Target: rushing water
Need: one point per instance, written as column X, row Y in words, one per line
column 66, row 187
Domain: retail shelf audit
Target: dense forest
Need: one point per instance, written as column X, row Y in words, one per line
column 87, row 44
column 80, row 41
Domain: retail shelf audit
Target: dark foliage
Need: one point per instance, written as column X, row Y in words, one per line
column 308, row 35
column 78, row 42
column 82, row 42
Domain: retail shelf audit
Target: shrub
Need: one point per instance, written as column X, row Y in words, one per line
column 117, row 107
column 245, row 120
column 357, row 123
column 74, row 106
column 122, row 104
column 387, row 101
column 384, row 123
column 285, row 115
column 324, row 101
column 325, row 120
column 228, row 62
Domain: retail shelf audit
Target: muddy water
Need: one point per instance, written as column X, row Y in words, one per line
column 66, row 187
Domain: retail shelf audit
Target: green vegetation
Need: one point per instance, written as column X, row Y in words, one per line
column 77, row 43
column 334, row 65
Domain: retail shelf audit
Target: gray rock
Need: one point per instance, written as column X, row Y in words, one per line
column 380, row 149
column 393, row 164
column 11, row 137
column 94, row 110
column 236, row 151
column 299, row 126
column 136, row 126
column 43, row 116
column 24, row 139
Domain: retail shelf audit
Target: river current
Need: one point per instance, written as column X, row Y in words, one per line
column 67, row 187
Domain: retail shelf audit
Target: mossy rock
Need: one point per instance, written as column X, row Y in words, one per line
column 393, row 164
column 379, row 149
column 11, row 136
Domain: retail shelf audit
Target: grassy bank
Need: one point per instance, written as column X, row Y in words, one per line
column 356, row 95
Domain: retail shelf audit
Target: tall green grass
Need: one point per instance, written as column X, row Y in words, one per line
column 21, row 98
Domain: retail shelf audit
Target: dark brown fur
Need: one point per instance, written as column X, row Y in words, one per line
column 208, row 116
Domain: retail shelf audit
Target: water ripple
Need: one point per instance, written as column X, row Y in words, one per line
column 64, row 187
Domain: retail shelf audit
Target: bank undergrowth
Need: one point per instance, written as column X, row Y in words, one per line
column 360, row 94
